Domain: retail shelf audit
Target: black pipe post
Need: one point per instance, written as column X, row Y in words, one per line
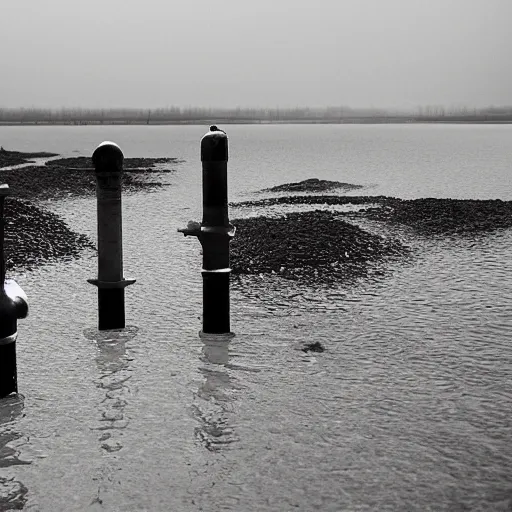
column 13, row 305
column 108, row 164
column 215, row 233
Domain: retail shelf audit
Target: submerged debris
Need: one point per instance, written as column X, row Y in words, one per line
column 316, row 246
column 313, row 347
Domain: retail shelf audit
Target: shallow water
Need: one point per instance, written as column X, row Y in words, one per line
column 407, row 408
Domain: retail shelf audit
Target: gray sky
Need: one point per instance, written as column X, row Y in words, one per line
column 150, row 53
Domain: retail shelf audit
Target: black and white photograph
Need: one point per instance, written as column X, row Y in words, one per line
column 256, row 256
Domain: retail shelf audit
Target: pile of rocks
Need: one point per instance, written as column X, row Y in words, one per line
column 34, row 235
column 313, row 246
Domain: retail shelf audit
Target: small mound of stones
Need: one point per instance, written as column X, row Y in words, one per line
column 34, row 235
column 312, row 185
column 75, row 177
column 313, row 246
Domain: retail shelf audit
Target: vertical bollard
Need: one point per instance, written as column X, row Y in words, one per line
column 108, row 165
column 13, row 305
column 215, row 232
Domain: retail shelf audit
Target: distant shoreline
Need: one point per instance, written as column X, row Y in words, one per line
column 202, row 122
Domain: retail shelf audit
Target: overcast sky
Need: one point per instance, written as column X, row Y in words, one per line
column 151, row 53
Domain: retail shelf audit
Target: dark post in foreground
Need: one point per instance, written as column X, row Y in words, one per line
column 108, row 165
column 215, row 232
column 13, row 305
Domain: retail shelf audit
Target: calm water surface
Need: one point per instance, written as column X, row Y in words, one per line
column 407, row 409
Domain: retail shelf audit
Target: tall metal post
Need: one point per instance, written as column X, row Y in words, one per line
column 215, row 233
column 13, row 305
column 108, row 164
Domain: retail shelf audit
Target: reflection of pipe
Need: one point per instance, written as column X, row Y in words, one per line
column 212, row 411
column 215, row 232
column 13, row 305
column 108, row 164
column 13, row 495
column 216, row 349
column 10, row 409
column 112, row 363
column 217, row 380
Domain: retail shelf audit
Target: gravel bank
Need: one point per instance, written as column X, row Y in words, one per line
column 34, row 235
column 313, row 246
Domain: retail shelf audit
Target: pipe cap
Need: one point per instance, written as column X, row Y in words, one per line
column 108, row 157
column 214, row 146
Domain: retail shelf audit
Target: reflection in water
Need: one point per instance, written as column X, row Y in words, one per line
column 215, row 395
column 114, row 375
column 12, row 492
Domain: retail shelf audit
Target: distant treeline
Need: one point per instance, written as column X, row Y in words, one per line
column 177, row 115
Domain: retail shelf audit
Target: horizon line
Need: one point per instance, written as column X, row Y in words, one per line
column 456, row 107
